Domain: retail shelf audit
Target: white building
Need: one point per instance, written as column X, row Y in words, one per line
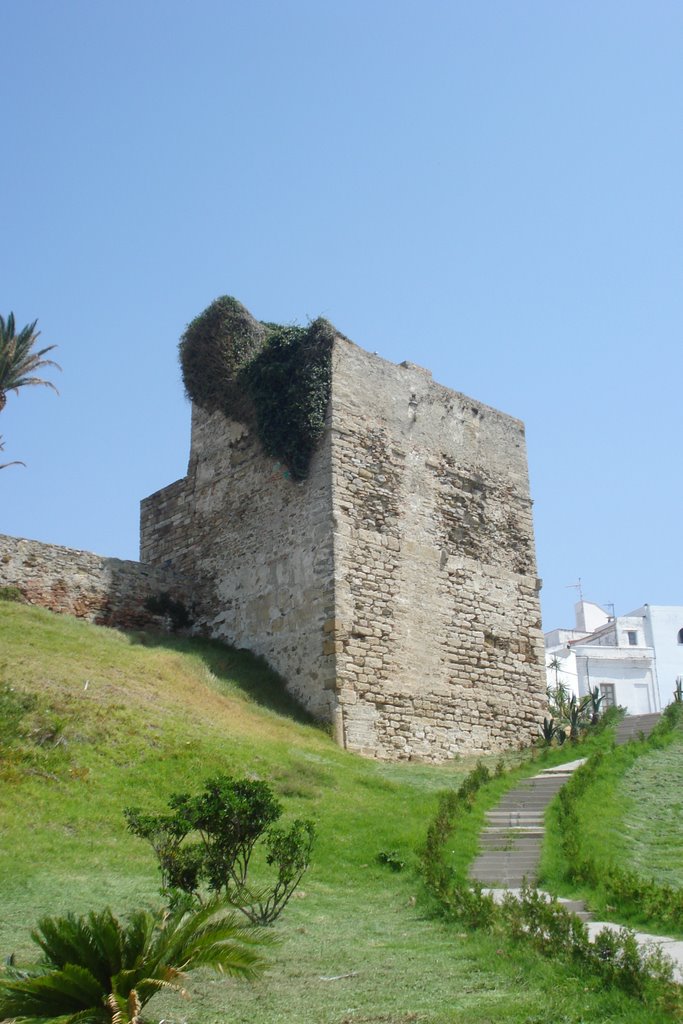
column 634, row 659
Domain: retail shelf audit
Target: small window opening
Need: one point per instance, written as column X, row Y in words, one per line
column 607, row 691
column 680, row 636
column 632, row 637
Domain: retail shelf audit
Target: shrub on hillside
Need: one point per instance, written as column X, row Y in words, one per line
column 207, row 843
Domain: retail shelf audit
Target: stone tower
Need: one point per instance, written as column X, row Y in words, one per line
column 394, row 588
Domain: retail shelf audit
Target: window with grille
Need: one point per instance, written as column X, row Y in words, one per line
column 607, row 691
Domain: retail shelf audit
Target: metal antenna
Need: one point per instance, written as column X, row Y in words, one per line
column 576, row 586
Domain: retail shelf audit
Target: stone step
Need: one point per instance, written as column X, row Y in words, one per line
column 531, row 798
column 509, row 882
column 501, row 847
column 565, row 769
column 539, row 792
column 495, row 828
column 513, row 818
column 511, row 841
column 633, row 725
column 518, row 808
column 500, row 812
column 519, row 840
column 543, row 781
column 523, row 805
column 500, row 856
column 577, row 907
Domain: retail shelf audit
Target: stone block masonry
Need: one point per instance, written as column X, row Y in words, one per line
column 264, row 541
column 107, row 591
column 395, row 588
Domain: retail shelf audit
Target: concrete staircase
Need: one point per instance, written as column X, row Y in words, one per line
column 512, row 839
column 511, row 842
column 631, row 727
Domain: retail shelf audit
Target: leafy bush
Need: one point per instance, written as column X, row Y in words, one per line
column 452, row 805
column 207, row 842
column 614, row 955
column 11, row 593
column 391, row 859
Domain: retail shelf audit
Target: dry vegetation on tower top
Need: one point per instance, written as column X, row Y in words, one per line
column 274, row 377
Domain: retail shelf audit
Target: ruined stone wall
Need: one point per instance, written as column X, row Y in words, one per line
column 395, row 589
column 437, row 639
column 264, row 540
column 107, row 591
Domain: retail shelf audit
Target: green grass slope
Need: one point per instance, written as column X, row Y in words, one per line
column 122, row 719
column 651, row 839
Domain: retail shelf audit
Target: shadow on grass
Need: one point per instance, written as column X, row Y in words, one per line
column 238, row 669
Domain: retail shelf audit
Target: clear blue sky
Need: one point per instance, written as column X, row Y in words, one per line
column 492, row 190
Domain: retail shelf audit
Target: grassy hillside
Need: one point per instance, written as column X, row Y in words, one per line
column 652, row 834
column 121, row 719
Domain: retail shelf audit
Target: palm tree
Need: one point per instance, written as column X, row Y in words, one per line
column 555, row 664
column 98, row 970
column 15, row 462
column 18, row 362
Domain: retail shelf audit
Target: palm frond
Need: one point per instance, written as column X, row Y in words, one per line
column 69, row 990
column 99, row 970
column 19, row 359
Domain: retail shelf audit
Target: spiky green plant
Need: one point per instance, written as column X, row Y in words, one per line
column 99, row 970
column 548, row 730
column 577, row 715
column 678, row 692
column 18, row 361
column 596, row 699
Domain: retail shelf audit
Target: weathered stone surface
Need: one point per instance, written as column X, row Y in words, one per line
column 395, row 589
column 107, row 591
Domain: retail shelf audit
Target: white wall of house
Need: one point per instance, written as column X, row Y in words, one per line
column 639, row 655
column 663, row 625
column 629, row 671
column 589, row 616
column 566, row 674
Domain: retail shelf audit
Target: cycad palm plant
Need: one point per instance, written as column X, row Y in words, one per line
column 98, row 970
column 18, row 361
